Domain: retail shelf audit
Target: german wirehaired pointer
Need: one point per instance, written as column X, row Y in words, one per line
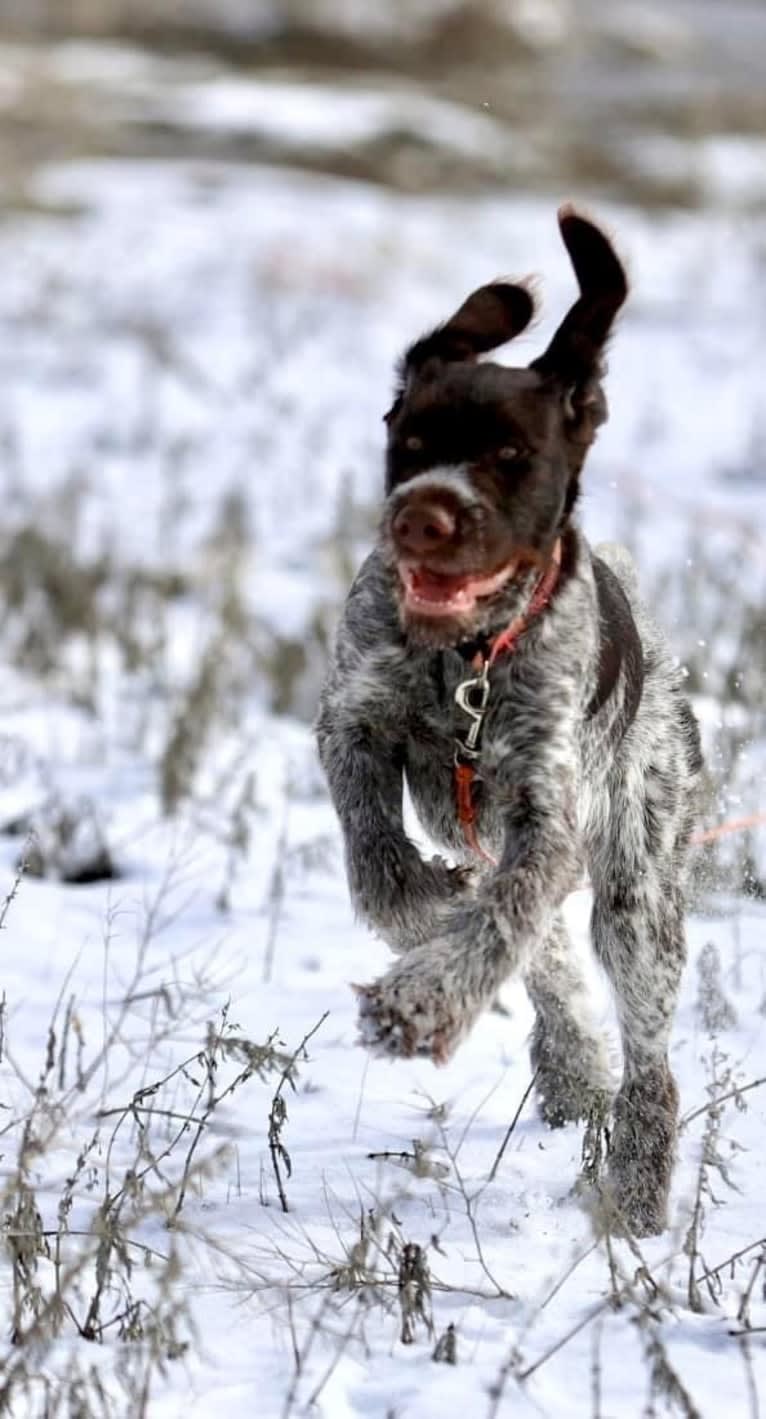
column 515, row 678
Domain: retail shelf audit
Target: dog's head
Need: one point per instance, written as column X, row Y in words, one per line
column 483, row 461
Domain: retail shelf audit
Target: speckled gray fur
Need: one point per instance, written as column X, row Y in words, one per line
column 589, row 761
column 557, row 800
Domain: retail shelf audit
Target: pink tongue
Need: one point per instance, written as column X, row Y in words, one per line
column 451, row 593
column 430, row 587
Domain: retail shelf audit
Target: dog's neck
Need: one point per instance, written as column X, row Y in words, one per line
column 533, row 591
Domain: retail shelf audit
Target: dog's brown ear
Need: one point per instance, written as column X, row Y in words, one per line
column 490, row 317
column 574, row 354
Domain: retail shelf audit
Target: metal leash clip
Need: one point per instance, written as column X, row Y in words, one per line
column 471, row 696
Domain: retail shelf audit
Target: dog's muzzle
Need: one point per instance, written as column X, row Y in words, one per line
column 435, row 525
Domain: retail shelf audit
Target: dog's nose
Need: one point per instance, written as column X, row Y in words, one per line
column 421, row 527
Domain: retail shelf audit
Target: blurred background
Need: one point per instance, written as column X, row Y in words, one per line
column 221, row 220
column 656, row 103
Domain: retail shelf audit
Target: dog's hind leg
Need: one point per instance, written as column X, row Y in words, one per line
column 568, row 1051
column 638, row 933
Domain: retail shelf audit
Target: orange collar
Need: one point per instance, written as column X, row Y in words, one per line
column 506, row 640
column 472, row 697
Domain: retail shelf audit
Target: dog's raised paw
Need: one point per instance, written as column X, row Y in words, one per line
column 395, row 1023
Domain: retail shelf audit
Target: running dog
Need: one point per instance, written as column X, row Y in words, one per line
column 512, row 675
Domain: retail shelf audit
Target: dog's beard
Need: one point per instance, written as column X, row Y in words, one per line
column 430, row 634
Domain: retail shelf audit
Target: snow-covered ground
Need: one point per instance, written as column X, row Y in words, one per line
column 175, row 335
column 288, row 1307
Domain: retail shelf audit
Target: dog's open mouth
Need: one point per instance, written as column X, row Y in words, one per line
column 429, row 593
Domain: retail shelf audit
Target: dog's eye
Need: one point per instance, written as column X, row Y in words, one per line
column 413, row 443
column 508, row 453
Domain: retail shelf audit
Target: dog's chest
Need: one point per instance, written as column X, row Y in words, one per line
column 434, row 724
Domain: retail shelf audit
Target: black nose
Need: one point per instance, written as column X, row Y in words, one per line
column 421, row 527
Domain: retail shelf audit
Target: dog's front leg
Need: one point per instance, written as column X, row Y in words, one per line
column 430, row 1000
column 402, row 897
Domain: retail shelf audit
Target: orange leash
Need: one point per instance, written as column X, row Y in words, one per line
column 736, row 825
column 467, row 812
